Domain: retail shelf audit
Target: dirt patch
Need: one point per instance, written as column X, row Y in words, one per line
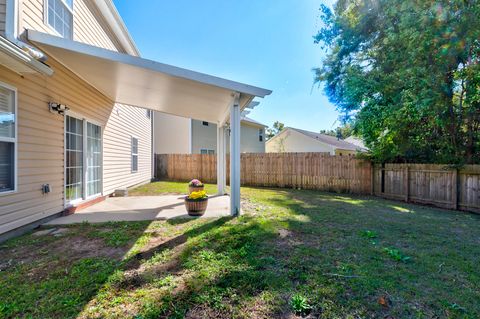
column 79, row 247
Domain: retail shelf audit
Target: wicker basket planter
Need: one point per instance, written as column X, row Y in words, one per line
column 195, row 189
column 196, row 207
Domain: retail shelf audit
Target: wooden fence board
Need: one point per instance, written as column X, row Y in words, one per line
column 300, row 170
column 438, row 185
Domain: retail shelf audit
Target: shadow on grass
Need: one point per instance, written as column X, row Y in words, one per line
column 252, row 265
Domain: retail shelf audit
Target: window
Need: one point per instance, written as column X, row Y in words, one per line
column 8, row 139
column 205, row 123
column 60, row 17
column 134, row 154
column 149, row 114
column 74, row 159
column 260, row 135
column 83, row 162
column 205, row 151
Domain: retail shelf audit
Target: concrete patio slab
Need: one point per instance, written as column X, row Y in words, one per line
column 137, row 208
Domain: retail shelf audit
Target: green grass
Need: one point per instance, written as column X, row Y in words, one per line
column 162, row 187
column 293, row 253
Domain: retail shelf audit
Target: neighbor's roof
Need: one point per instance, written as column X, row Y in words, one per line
column 249, row 120
column 331, row 140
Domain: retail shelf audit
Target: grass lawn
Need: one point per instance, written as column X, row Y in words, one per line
column 293, row 253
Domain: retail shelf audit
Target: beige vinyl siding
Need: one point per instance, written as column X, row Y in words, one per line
column 3, row 16
column 41, row 141
column 88, row 24
column 124, row 123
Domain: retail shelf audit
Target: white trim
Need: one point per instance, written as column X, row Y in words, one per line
column 235, row 126
column 190, row 137
column 114, row 20
column 85, row 121
column 48, row 39
column 14, row 140
column 11, row 23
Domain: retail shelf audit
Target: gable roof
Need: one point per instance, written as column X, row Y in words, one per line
column 249, row 120
column 327, row 139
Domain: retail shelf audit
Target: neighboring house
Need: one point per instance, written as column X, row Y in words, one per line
column 296, row 140
column 72, row 126
column 357, row 142
column 177, row 135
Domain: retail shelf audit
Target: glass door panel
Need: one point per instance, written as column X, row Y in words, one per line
column 94, row 159
column 74, row 159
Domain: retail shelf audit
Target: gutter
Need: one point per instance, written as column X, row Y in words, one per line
column 12, row 46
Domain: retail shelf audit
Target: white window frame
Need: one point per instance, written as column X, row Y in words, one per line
column 207, row 151
column 132, row 154
column 84, row 197
column 261, row 135
column 13, row 140
column 45, row 17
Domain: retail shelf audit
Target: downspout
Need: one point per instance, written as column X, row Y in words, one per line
column 11, row 31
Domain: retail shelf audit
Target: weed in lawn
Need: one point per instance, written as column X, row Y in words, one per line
column 300, row 305
column 396, row 255
column 369, row 234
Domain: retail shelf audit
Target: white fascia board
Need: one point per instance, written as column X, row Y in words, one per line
column 18, row 54
column 47, row 39
column 115, row 21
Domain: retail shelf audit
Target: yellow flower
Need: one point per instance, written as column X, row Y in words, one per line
column 198, row 195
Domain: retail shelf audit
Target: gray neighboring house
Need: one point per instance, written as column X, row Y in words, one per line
column 177, row 135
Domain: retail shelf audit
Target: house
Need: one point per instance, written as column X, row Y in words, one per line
column 296, row 140
column 76, row 103
column 177, row 135
column 356, row 141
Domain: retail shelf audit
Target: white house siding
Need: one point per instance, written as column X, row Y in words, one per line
column 3, row 14
column 41, row 140
column 293, row 141
column 124, row 123
column 249, row 138
column 203, row 137
column 172, row 134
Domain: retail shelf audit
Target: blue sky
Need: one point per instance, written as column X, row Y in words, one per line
column 267, row 43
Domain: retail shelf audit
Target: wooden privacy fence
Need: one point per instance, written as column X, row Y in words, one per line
column 303, row 170
column 436, row 185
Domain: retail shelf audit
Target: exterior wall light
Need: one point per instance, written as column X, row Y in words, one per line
column 58, row 108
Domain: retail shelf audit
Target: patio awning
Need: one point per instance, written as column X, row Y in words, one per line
column 144, row 83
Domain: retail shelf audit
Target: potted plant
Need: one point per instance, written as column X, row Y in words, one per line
column 196, row 203
column 195, row 185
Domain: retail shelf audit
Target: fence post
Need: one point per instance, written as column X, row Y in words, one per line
column 455, row 189
column 406, row 183
column 372, row 178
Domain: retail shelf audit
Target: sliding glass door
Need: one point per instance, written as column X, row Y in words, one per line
column 94, row 159
column 83, row 160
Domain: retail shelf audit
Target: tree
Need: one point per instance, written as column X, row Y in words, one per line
column 341, row 132
column 277, row 128
column 407, row 74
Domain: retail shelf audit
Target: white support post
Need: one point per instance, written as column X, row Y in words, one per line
column 235, row 157
column 221, row 164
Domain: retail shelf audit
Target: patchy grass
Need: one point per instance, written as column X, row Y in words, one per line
column 293, row 253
